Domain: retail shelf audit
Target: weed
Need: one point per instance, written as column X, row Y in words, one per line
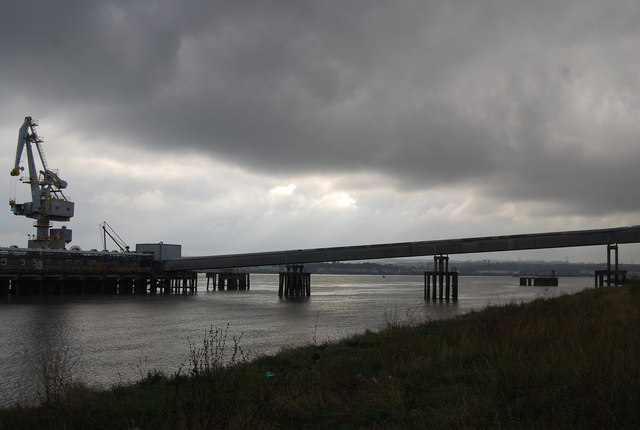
column 54, row 364
column 209, row 383
column 142, row 368
column 315, row 328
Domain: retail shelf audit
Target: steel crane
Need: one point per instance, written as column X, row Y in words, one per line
column 48, row 202
column 107, row 230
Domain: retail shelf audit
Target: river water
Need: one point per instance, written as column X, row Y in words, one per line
column 112, row 339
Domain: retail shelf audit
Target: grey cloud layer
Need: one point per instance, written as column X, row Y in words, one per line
column 524, row 100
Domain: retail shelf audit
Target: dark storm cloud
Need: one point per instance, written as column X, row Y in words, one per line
column 516, row 98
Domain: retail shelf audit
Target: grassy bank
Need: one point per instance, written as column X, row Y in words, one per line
column 569, row 362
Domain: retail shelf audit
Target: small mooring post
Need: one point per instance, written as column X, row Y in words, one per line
column 445, row 282
column 607, row 276
column 294, row 282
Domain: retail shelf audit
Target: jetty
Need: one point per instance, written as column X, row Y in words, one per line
column 28, row 271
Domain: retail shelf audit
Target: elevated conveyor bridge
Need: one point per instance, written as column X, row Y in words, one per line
column 564, row 239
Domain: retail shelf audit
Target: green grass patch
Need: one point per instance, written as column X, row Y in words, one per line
column 565, row 363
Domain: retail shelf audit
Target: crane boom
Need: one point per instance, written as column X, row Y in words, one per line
column 22, row 136
column 48, row 202
column 107, row 230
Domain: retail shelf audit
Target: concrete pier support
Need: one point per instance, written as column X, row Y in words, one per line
column 229, row 280
column 5, row 285
column 612, row 275
column 294, row 282
column 185, row 282
column 604, row 278
column 445, row 282
column 616, row 278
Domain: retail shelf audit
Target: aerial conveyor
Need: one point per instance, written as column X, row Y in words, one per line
column 48, row 202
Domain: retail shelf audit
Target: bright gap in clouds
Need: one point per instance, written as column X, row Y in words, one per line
column 283, row 190
column 337, row 200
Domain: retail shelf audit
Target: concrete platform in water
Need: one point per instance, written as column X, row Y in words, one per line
column 25, row 271
column 539, row 281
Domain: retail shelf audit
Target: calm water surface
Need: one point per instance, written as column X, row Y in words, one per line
column 112, row 339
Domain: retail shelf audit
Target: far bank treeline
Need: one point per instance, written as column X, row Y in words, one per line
column 465, row 268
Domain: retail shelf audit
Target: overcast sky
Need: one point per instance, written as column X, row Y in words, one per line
column 242, row 126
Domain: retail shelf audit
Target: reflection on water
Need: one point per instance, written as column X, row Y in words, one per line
column 35, row 337
column 113, row 337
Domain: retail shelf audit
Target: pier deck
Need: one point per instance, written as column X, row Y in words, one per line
column 49, row 272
